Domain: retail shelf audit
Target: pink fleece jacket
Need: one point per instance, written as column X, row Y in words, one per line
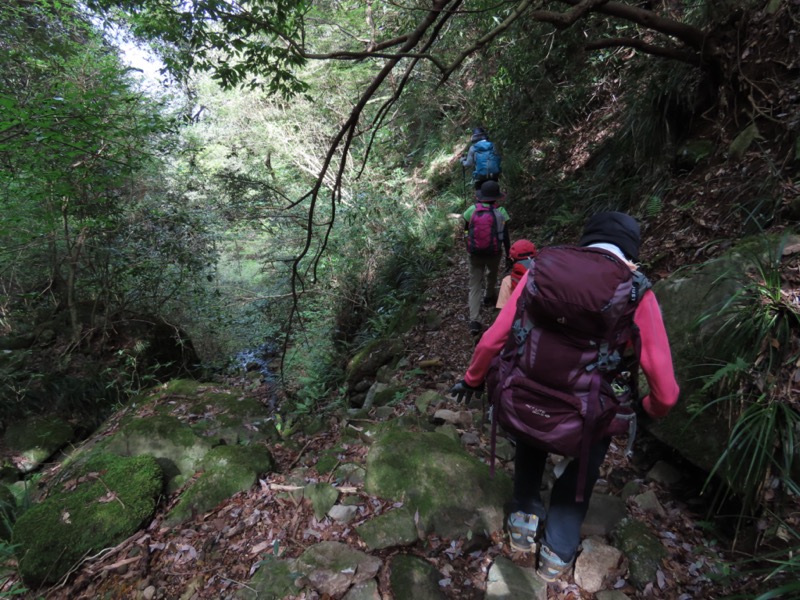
column 655, row 360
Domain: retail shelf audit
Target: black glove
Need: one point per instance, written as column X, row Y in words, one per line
column 463, row 392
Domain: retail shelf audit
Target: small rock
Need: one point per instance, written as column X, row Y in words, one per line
column 596, row 564
column 342, row 514
column 648, row 502
column 470, row 439
column 149, row 592
column 665, row 473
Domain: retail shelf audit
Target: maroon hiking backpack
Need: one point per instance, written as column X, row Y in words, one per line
column 483, row 238
column 551, row 386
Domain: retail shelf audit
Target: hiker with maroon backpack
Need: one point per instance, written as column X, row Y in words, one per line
column 554, row 359
column 487, row 241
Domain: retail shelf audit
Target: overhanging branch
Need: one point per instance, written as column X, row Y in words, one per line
column 687, row 56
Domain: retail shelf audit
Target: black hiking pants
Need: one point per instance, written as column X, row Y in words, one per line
column 564, row 516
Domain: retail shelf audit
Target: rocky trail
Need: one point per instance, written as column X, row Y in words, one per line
column 223, row 552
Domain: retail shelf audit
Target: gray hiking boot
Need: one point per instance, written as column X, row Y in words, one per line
column 522, row 529
column 551, row 567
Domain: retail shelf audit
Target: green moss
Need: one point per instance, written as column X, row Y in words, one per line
column 112, row 498
column 178, row 449
column 48, row 433
column 227, row 471
column 435, row 475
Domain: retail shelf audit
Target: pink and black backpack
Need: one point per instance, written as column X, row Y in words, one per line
column 483, row 238
column 551, row 386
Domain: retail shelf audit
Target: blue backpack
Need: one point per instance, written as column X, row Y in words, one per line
column 487, row 161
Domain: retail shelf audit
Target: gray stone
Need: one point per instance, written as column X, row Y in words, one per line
column 428, row 398
column 631, row 489
column 433, row 474
column 648, row 502
column 385, row 374
column 389, row 394
column 449, row 430
column 384, row 413
column 461, row 418
column 504, row 450
column 413, row 578
column 663, row 472
column 596, row 565
column 470, row 439
column 366, row 590
column 362, row 386
column 394, row 528
column 349, row 473
column 342, row 514
column 604, row 514
column 507, row 581
column 374, row 390
column 323, row 496
column 332, row 567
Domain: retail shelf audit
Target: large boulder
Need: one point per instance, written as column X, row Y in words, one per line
column 227, row 470
column 687, row 298
column 107, row 501
column 36, row 439
column 433, row 474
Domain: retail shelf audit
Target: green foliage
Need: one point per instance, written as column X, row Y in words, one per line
column 9, row 586
column 253, row 44
column 755, row 338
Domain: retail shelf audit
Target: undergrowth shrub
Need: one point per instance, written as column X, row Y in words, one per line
column 755, row 347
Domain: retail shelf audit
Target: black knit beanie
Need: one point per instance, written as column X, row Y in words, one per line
column 613, row 228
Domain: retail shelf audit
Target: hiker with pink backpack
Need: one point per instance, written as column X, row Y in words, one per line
column 560, row 362
column 487, row 241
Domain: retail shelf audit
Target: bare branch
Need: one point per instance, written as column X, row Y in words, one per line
column 516, row 13
column 564, row 20
column 687, row 56
column 693, row 37
column 344, row 138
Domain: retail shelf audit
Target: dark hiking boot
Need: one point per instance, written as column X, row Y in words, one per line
column 522, row 528
column 551, row 567
column 475, row 328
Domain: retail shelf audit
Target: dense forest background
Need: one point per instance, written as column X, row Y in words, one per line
column 285, row 184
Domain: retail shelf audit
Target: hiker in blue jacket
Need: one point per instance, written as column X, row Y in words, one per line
column 482, row 158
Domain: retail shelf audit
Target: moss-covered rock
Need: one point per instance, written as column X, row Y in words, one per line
column 37, row 439
column 108, row 502
column 394, row 528
column 274, row 580
column 507, row 580
column 365, row 364
column 642, row 548
column 685, row 297
column 178, row 449
column 332, row 567
column 227, row 470
column 433, row 474
column 413, row 578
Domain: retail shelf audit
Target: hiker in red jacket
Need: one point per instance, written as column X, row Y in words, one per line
column 614, row 236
